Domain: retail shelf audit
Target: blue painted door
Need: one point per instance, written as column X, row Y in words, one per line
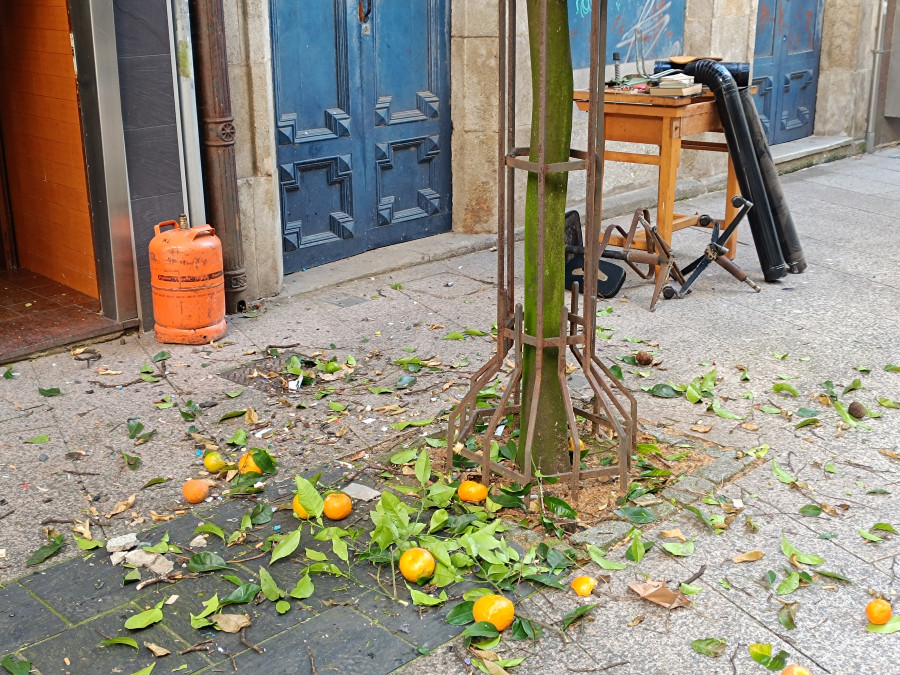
column 786, row 66
column 362, row 104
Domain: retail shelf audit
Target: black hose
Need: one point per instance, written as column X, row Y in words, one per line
column 739, row 71
column 743, row 156
column 784, row 223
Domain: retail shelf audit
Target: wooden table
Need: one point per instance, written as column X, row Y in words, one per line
column 663, row 121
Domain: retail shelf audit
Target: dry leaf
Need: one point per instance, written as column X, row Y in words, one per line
column 493, row 668
column 448, row 385
column 230, row 623
column 83, row 528
column 156, row 650
column 107, row 371
column 122, row 506
column 889, row 453
column 701, row 429
column 161, row 517
column 830, row 510
column 602, row 503
column 436, row 326
column 485, row 654
column 76, row 352
column 824, row 399
column 749, row 426
column 570, row 368
column 749, row 556
column 658, row 593
column 673, row 534
column 793, row 561
column 635, row 621
column 250, row 417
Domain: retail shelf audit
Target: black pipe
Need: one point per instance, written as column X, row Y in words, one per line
column 743, row 156
column 784, row 223
column 739, row 71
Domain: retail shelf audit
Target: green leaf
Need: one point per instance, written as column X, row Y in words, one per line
column 127, row 641
column 713, row 647
column 598, row 556
column 560, row 507
column 210, row 528
column 891, row 368
column 313, row 554
column 617, row 371
column 88, row 544
column 689, row 589
column 780, row 357
column 853, row 386
column 423, row 599
column 787, row 615
column 807, row 422
column 805, row 558
column 234, row 394
column 789, row 585
column 144, row 619
column 309, row 497
column 661, row 391
column 546, row 580
column 52, row 391
column 132, row 462
column 304, row 588
column 282, row 606
column 481, row 629
column 781, row 474
column 152, row 482
column 762, row 654
column 43, row 438
column 769, row 410
column 702, row 516
column 785, row 387
column 288, row 544
column 261, row 514
column 636, row 514
column 334, row 406
column 162, row 356
column 524, row 629
column 48, row 550
column 438, row 519
column 269, row 586
column 241, row 595
column 461, row 614
column 405, row 382
column 454, row 335
column 885, row 527
column 475, row 332
column 682, row 549
column 806, row 412
column 207, row 561
column 423, row 467
column 887, row 403
column 381, row 390
column 845, row 416
column 145, row 671
column 637, row 549
column 571, row 617
column 811, row 510
column 892, row 626
column 865, row 534
column 149, row 378
column 436, row 442
column 16, row 667
column 8, row 375
column 721, row 412
column 165, row 403
column 400, row 426
column 833, row 575
column 231, row 415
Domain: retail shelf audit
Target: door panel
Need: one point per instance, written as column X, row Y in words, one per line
column 786, row 66
column 363, row 125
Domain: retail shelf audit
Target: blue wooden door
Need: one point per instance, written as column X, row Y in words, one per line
column 362, row 103
column 786, row 66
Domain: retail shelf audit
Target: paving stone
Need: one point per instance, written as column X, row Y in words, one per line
column 604, row 535
column 429, row 631
column 80, row 646
column 126, row 542
column 340, row 640
column 688, row 490
column 724, row 468
column 25, row 619
column 79, row 590
column 663, row 510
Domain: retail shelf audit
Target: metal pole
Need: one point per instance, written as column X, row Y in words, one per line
column 217, row 138
column 876, row 75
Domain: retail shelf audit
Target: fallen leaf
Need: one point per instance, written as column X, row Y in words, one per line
column 701, row 429
column 230, row 623
column 161, row 517
column 107, row 371
column 156, row 650
column 83, row 528
column 122, row 506
column 635, row 621
column 251, row 417
column 660, row 594
column 673, row 534
column 749, row 426
column 749, row 556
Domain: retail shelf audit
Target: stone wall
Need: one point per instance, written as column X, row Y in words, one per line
column 248, row 36
column 848, row 37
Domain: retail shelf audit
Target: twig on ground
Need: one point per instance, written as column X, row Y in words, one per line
column 233, row 662
column 562, row 635
column 115, row 386
column 696, row 575
column 312, row 663
column 199, row 647
column 8, row 513
column 247, row 642
column 81, row 473
column 600, row 669
column 734, row 667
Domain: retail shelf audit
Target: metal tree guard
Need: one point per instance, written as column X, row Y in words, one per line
column 613, row 405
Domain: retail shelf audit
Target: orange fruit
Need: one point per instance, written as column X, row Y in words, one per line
column 879, row 611
column 416, row 564
column 470, row 491
column 337, row 506
column 572, row 445
column 214, row 462
column 247, row 465
column 494, row 609
column 298, row 508
column 795, row 670
column 195, row 491
column 584, row 585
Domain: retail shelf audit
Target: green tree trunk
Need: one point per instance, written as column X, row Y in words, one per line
column 550, row 446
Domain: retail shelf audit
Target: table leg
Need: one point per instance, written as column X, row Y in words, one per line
column 731, row 189
column 669, row 159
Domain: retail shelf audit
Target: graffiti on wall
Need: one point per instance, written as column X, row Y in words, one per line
column 654, row 28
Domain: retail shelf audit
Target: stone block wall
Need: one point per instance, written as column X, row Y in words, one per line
column 248, row 37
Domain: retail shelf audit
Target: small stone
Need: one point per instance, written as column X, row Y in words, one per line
column 161, row 566
column 118, row 557
column 43, row 457
column 140, row 558
column 362, row 492
column 198, row 542
column 125, row 542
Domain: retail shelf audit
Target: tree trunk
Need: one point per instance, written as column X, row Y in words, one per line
column 550, row 446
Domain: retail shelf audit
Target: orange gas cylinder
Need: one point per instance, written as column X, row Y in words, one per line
column 188, row 283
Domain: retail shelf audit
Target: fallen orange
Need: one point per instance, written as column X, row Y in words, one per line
column 795, row 670
column 416, row 564
column 496, row 610
column 195, row 491
column 247, row 465
column 470, row 491
column 298, row 508
column 337, row 506
column 213, row 461
column 584, row 585
column 879, row 611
